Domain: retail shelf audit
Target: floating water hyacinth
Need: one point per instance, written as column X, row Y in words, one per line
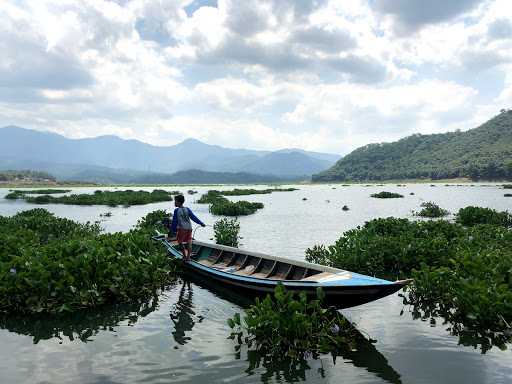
column 461, row 272
column 65, row 266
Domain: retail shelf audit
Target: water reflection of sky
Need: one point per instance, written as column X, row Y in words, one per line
column 193, row 347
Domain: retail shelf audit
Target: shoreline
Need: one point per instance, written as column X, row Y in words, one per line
column 451, row 182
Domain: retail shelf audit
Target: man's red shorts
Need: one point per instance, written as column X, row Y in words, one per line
column 184, row 236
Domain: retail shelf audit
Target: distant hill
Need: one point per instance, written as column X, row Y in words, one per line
column 483, row 153
column 195, row 176
column 282, row 164
column 23, row 148
column 103, row 175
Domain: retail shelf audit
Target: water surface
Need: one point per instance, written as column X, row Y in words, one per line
column 182, row 335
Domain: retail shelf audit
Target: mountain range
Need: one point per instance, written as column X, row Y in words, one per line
column 482, row 153
column 112, row 158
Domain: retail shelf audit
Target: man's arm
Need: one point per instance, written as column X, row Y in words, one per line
column 174, row 224
column 195, row 218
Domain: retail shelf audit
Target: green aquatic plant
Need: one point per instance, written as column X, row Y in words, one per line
column 227, row 232
column 230, row 208
column 210, row 197
column 507, row 195
column 507, row 186
column 14, row 195
column 471, row 216
column 219, row 205
column 386, row 195
column 52, row 264
column 291, row 325
column 40, row 191
column 431, row 210
column 462, row 274
column 251, row 191
column 19, row 193
column 109, row 198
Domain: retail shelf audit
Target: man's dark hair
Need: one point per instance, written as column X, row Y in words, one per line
column 179, row 198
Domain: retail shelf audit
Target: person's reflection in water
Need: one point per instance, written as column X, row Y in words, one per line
column 182, row 314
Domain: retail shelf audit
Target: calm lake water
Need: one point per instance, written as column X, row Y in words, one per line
column 182, row 336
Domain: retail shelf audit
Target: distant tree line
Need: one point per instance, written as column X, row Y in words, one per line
column 27, row 175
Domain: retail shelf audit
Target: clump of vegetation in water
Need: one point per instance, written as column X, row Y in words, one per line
column 431, row 210
column 209, row 197
column 507, row 195
column 219, row 205
column 227, row 232
column 507, row 186
column 243, row 192
column 19, row 194
column 460, row 273
column 471, row 216
column 109, row 198
column 230, row 208
column 191, row 192
column 386, row 195
column 14, row 195
column 287, row 325
column 52, row 264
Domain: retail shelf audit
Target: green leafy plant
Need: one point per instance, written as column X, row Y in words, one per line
column 470, row 216
column 386, row 195
column 109, row 198
column 227, row 232
column 291, row 325
column 52, row 264
column 41, row 191
column 219, row 205
column 251, row 191
column 432, row 210
column 462, row 274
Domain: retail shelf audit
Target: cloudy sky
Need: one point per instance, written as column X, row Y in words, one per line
column 319, row 75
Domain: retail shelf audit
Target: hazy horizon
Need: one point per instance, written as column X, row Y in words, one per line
column 192, row 139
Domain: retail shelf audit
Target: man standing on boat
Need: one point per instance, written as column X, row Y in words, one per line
column 182, row 227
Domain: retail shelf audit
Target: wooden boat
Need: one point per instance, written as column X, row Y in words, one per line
column 255, row 274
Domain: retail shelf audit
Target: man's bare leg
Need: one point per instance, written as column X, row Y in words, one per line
column 189, row 251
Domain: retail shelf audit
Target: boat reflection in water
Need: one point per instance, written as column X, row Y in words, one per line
column 89, row 326
column 365, row 355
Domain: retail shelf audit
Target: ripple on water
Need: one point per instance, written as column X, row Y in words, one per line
column 184, row 338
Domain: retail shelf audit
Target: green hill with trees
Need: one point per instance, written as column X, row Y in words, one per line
column 483, row 153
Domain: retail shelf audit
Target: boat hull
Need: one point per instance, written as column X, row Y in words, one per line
column 339, row 297
column 253, row 274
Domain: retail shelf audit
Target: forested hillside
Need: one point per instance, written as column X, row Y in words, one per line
column 483, row 153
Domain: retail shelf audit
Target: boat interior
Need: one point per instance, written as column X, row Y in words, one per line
column 244, row 264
